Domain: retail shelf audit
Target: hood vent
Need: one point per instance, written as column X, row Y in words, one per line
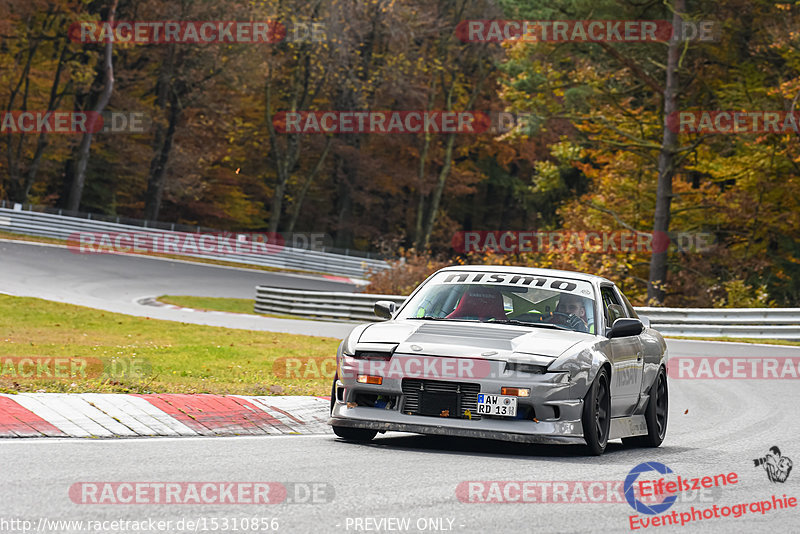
column 496, row 338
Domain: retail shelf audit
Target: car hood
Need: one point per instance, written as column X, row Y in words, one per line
column 472, row 340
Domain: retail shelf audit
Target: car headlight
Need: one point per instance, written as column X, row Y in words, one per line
column 526, row 368
column 371, row 355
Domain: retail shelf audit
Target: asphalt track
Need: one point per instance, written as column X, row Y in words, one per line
column 116, row 283
column 716, row 427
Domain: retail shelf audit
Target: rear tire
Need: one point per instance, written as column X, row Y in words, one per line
column 655, row 415
column 354, row 434
column 596, row 417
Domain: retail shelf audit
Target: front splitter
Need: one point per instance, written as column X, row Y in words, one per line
column 439, row 430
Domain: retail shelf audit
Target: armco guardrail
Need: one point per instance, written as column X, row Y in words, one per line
column 759, row 323
column 62, row 227
column 318, row 304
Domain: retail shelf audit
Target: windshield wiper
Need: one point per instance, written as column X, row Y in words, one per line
column 432, row 318
column 523, row 323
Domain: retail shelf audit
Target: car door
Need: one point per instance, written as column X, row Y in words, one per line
column 626, row 356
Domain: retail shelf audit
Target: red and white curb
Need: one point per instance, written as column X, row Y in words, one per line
column 109, row 415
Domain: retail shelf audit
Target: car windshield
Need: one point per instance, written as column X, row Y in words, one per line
column 529, row 300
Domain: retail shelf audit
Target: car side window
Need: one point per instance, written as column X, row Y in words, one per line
column 628, row 307
column 611, row 305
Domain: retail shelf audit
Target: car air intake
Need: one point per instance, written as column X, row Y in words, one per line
column 438, row 398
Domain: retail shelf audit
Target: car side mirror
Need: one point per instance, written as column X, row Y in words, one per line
column 385, row 309
column 625, row 327
column 615, row 311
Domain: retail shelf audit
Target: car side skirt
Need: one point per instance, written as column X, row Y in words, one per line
column 627, row 427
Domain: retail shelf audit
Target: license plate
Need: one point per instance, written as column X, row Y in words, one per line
column 497, row 405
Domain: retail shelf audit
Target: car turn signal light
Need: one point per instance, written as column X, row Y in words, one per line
column 516, row 392
column 367, row 379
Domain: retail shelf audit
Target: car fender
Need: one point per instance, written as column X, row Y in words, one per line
column 348, row 343
column 654, row 350
column 582, row 367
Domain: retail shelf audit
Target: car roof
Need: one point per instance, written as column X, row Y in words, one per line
column 527, row 270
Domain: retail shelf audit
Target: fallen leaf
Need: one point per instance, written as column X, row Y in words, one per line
column 687, row 411
column 445, row 413
column 352, row 404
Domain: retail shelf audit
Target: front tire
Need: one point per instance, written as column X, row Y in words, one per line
column 655, row 415
column 333, row 392
column 596, row 417
column 354, row 434
column 346, row 432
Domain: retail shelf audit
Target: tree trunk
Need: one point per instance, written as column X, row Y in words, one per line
column 312, row 175
column 41, row 142
column 158, row 167
column 82, row 154
column 15, row 156
column 448, row 159
column 419, row 236
column 167, row 101
column 285, row 160
column 438, row 190
column 666, row 166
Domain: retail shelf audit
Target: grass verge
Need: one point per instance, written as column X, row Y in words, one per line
column 222, row 304
column 123, row 354
column 210, row 303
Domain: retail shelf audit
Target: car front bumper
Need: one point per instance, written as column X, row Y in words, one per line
column 555, row 413
column 562, row 432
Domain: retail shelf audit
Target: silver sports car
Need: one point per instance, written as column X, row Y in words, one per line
column 507, row 353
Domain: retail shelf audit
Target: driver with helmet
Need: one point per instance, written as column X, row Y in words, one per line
column 574, row 307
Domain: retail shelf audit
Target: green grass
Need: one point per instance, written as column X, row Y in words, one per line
column 740, row 340
column 221, row 304
column 174, row 357
column 210, row 303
